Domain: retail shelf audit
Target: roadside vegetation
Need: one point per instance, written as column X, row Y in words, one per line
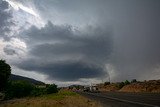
column 63, row 98
column 19, row 88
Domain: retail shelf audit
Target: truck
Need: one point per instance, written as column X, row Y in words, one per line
column 92, row 88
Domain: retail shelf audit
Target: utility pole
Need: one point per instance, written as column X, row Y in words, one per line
column 109, row 78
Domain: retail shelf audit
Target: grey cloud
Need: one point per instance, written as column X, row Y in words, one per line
column 5, row 18
column 136, row 53
column 132, row 47
column 72, row 12
column 136, row 31
column 4, row 5
column 65, row 71
column 66, row 54
column 49, row 33
column 96, row 45
column 9, row 50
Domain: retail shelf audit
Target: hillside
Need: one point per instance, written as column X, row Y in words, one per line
column 151, row 86
column 109, row 87
column 17, row 77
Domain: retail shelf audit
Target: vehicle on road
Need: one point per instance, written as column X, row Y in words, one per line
column 92, row 88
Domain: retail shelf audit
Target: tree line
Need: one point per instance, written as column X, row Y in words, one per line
column 17, row 89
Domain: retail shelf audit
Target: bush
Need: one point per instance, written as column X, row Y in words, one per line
column 51, row 88
column 106, row 83
column 126, row 82
column 17, row 89
column 134, row 81
column 38, row 91
column 120, row 85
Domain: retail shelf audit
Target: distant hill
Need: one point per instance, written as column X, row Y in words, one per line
column 33, row 81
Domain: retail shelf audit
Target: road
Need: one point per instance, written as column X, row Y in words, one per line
column 119, row 99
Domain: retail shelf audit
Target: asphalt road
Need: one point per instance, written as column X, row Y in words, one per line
column 119, row 99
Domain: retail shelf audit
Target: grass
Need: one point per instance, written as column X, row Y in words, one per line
column 61, row 99
column 60, row 95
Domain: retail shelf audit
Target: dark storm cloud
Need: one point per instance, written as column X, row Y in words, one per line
column 95, row 45
column 66, row 54
column 5, row 17
column 65, row 70
column 132, row 48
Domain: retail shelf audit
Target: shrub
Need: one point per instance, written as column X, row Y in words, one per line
column 134, row 81
column 38, row 91
column 106, row 83
column 51, row 88
column 126, row 82
column 18, row 89
column 120, row 85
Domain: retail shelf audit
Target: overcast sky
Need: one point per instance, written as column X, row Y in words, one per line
column 81, row 41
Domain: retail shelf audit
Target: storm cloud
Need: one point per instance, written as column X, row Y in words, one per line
column 65, row 70
column 63, row 53
column 74, row 40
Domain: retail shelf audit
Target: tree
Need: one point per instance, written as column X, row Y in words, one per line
column 106, row 83
column 126, row 82
column 120, row 85
column 51, row 88
column 134, row 81
column 5, row 71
